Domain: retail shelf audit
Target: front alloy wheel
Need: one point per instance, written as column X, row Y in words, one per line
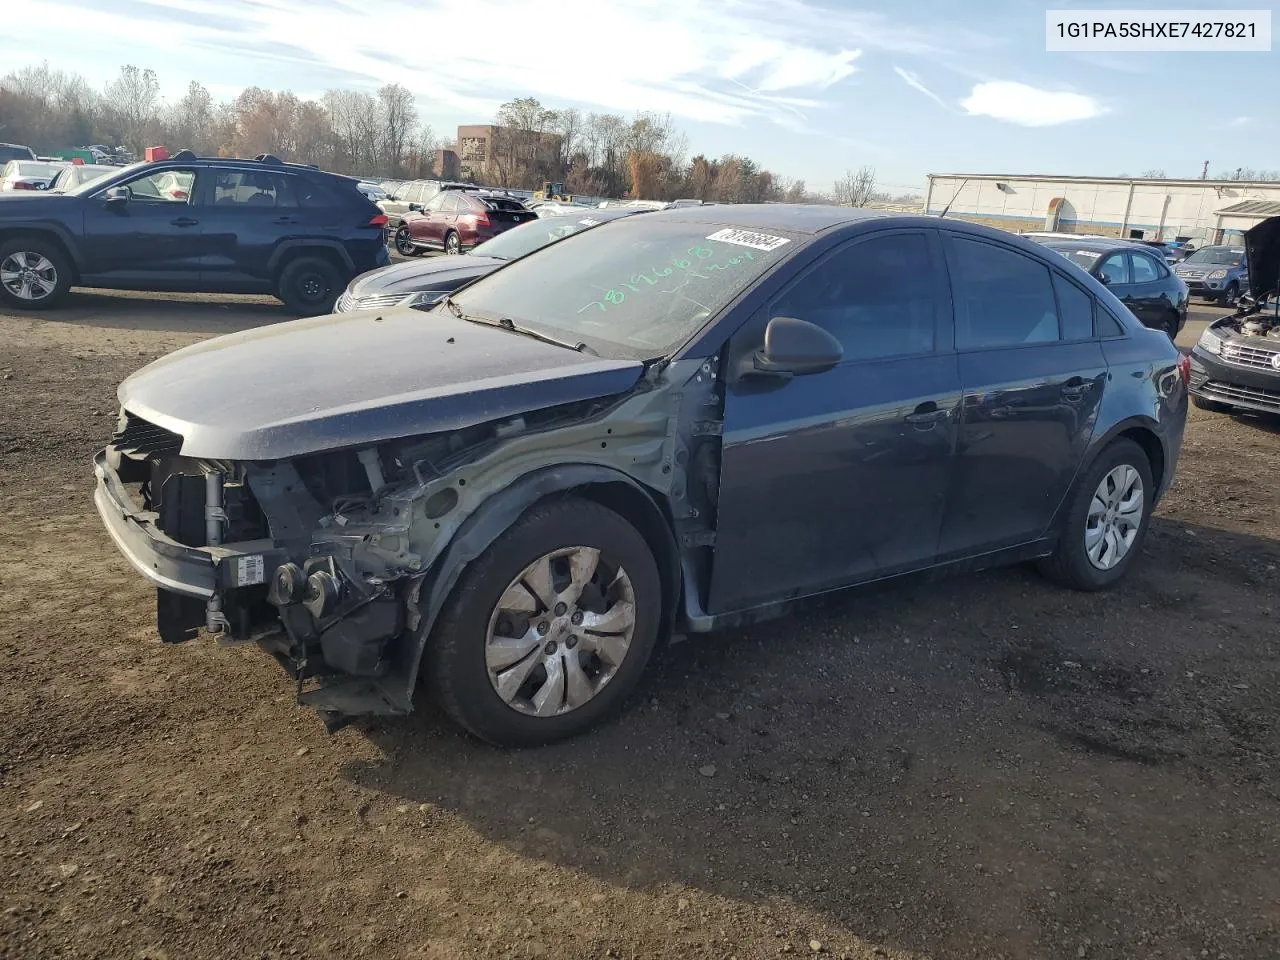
column 560, row 631
column 452, row 244
column 547, row 631
column 404, row 246
column 29, row 276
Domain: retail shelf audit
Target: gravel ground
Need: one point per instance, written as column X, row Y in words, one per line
column 983, row 767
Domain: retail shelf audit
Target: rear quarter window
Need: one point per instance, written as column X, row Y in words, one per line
column 317, row 192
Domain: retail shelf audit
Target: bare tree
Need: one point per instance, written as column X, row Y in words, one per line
column 133, row 97
column 398, row 119
column 854, row 189
column 190, row 121
column 1156, row 173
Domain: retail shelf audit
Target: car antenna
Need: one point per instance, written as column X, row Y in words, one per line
column 953, row 197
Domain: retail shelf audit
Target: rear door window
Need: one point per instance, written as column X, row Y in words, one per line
column 1144, row 269
column 1075, row 308
column 1002, row 298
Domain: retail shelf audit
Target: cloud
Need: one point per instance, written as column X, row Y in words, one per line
column 716, row 61
column 1028, row 106
column 1238, row 122
column 911, row 80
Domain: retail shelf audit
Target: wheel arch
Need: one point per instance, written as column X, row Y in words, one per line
column 1145, row 433
column 288, row 251
column 608, row 487
column 50, row 233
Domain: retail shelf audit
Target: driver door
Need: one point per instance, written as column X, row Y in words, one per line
column 837, row 477
column 154, row 238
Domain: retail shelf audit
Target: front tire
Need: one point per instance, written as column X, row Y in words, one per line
column 309, row 286
column 1106, row 521
column 34, row 274
column 1231, row 294
column 404, row 245
column 452, row 244
column 546, row 634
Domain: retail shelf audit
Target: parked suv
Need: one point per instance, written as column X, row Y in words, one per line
column 197, row 225
column 456, row 220
column 1218, row 273
column 412, row 196
column 15, row 151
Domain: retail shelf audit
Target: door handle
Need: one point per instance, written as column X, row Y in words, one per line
column 926, row 415
column 184, row 222
column 1074, row 389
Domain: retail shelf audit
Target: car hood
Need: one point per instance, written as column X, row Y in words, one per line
column 436, row 273
column 32, row 203
column 347, row 380
column 1262, row 253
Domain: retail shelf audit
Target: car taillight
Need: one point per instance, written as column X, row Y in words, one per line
column 377, row 220
column 19, row 185
column 1184, row 368
column 482, row 219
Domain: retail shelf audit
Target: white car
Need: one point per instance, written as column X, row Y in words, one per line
column 78, row 173
column 29, row 174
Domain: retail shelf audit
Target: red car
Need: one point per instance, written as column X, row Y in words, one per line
column 457, row 220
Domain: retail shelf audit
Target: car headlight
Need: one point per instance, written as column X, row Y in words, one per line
column 1217, row 275
column 422, row 299
column 1210, row 341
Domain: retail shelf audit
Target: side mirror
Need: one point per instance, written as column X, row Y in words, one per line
column 794, row 347
column 117, row 195
column 1104, row 279
column 415, row 208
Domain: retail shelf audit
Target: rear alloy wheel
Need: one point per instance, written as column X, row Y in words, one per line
column 404, row 246
column 34, row 275
column 550, row 629
column 1106, row 520
column 309, row 286
column 451, row 243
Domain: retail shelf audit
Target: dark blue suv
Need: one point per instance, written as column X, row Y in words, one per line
column 197, row 225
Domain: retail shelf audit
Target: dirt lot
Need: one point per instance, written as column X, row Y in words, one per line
column 979, row 768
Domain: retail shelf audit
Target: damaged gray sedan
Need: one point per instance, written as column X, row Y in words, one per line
column 672, row 423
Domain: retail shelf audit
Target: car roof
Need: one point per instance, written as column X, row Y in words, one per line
column 794, row 217
column 1098, row 246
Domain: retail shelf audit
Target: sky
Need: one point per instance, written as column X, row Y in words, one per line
column 808, row 89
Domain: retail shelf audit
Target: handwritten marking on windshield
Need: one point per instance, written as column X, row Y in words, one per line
column 616, row 296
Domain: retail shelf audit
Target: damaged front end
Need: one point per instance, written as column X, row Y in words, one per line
column 337, row 562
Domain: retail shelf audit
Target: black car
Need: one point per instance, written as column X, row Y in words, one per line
column 420, row 283
column 1135, row 273
column 15, row 151
column 193, row 224
column 686, row 420
column 1236, row 364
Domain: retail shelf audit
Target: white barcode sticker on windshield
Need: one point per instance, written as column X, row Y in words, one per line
column 249, row 570
column 749, row 238
column 588, row 222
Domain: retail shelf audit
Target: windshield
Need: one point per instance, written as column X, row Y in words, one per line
column 67, row 179
column 637, row 290
column 93, row 185
column 1215, row 255
column 526, row 238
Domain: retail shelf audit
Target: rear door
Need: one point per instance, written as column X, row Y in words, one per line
column 426, row 227
column 842, row 476
column 250, row 213
column 1116, row 274
column 1033, row 373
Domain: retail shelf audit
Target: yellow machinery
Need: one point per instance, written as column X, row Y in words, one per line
column 552, row 191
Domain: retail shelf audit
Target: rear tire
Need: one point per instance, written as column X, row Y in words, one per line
column 452, row 244
column 1213, row 406
column 309, row 286
column 506, row 626
column 1088, row 556
column 34, row 273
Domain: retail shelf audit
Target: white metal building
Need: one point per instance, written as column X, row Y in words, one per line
column 1202, row 211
